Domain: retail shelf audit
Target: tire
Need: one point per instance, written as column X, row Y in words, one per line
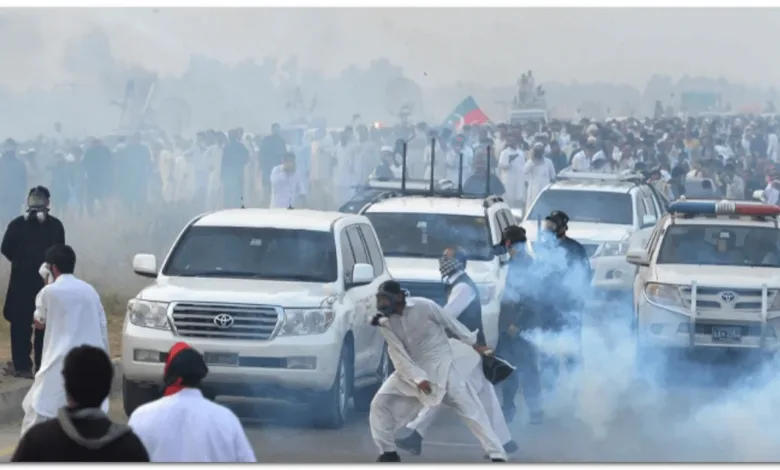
column 364, row 396
column 134, row 395
column 330, row 410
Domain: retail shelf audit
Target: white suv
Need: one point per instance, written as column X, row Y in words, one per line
column 708, row 277
column 415, row 230
column 277, row 300
column 604, row 211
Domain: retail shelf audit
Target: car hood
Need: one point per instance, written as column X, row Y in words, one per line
column 584, row 231
column 736, row 277
column 427, row 269
column 255, row 291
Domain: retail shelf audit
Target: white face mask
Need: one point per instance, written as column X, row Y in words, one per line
column 45, row 273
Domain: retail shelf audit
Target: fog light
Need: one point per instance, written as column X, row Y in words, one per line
column 614, row 274
column 303, row 362
column 656, row 328
column 146, row 355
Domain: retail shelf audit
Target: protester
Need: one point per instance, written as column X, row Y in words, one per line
column 463, row 304
column 185, row 427
column 81, row 431
column 287, row 188
column 511, row 161
column 425, row 372
column 69, row 310
column 25, row 242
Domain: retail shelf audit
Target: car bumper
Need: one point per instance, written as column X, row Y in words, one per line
column 300, row 363
column 660, row 327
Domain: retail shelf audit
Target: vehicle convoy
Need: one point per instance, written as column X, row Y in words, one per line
column 708, row 277
column 604, row 211
column 277, row 300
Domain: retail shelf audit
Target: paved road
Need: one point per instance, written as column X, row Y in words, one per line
column 694, row 412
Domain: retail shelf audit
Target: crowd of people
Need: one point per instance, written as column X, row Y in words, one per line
column 318, row 167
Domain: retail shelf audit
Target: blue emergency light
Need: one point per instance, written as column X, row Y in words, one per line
column 723, row 208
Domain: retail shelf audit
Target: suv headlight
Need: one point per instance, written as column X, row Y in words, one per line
column 613, row 249
column 306, row 321
column 148, row 314
column 667, row 295
column 486, row 293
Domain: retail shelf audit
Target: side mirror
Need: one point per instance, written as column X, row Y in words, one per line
column 362, row 274
column 638, row 257
column 758, row 195
column 145, row 265
column 648, row 220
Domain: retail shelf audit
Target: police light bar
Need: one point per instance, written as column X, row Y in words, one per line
column 723, row 208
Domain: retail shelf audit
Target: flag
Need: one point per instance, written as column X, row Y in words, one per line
column 467, row 113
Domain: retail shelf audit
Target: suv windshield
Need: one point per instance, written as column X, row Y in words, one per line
column 719, row 245
column 257, row 253
column 585, row 206
column 411, row 235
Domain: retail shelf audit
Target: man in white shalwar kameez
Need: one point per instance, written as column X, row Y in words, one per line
column 415, row 330
column 463, row 304
column 70, row 311
column 511, row 163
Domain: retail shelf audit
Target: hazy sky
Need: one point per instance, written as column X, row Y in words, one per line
column 434, row 46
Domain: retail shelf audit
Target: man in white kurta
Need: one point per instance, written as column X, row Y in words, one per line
column 287, row 186
column 70, row 311
column 511, row 162
column 415, row 330
column 539, row 172
column 462, row 297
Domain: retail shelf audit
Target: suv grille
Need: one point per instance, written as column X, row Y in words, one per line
column 435, row 291
column 228, row 321
column 723, row 298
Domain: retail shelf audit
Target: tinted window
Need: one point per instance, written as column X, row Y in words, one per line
column 427, row 235
column 358, row 248
column 585, row 206
column 257, row 253
column 374, row 252
column 720, row 246
column 347, row 257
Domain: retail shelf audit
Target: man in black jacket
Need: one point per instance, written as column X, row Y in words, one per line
column 24, row 244
column 519, row 312
column 82, row 432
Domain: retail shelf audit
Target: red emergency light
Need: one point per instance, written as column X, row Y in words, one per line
column 693, row 208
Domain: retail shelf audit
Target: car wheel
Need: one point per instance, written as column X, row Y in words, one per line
column 364, row 396
column 330, row 410
column 135, row 395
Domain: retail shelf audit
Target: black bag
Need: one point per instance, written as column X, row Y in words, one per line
column 496, row 370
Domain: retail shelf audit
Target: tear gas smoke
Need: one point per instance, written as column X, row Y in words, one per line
column 666, row 407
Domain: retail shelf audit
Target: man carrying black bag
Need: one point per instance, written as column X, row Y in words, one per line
column 482, row 372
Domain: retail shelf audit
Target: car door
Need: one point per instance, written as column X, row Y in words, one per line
column 361, row 296
column 375, row 339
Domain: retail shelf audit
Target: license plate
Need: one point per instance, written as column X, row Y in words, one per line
column 221, row 359
column 726, row 334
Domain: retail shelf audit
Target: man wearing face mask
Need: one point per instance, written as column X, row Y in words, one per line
column 464, row 303
column 567, row 266
column 70, row 310
column 415, row 330
column 24, row 244
column 518, row 314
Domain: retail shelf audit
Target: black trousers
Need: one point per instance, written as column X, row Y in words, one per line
column 21, row 333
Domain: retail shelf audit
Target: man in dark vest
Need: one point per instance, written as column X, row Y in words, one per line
column 463, row 303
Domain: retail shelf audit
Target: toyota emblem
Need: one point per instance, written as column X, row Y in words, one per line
column 728, row 296
column 223, row 320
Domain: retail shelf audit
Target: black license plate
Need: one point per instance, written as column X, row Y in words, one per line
column 726, row 334
column 221, row 359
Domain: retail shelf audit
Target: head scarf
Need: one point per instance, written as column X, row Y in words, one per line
column 182, row 361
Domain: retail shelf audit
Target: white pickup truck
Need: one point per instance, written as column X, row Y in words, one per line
column 277, row 300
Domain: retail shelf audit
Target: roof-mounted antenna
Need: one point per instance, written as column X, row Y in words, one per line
column 487, row 180
column 433, row 161
column 460, row 174
column 403, row 168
